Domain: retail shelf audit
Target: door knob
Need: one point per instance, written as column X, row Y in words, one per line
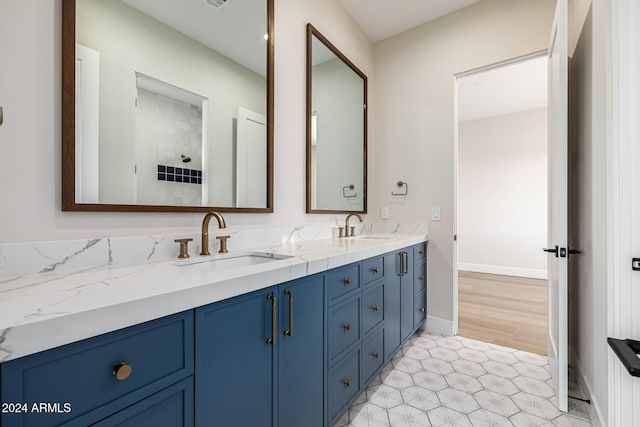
column 553, row 251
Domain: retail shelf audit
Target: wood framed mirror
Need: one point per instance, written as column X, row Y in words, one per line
column 336, row 130
column 167, row 106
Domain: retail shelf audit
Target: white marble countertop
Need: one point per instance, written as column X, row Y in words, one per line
column 46, row 310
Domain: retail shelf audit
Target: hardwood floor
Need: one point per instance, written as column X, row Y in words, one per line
column 504, row 310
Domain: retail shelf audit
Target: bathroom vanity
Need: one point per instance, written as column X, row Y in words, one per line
column 285, row 342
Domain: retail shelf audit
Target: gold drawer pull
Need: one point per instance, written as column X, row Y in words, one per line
column 375, row 269
column 375, row 355
column 347, row 281
column 122, row 371
column 347, row 327
column 375, row 308
column 421, row 310
column 274, row 322
column 347, row 383
column 421, row 252
column 421, row 278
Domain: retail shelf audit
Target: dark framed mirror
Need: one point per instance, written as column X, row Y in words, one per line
column 336, row 129
column 167, row 106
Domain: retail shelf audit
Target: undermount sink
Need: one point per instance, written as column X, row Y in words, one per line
column 373, row 237
column 231, row 261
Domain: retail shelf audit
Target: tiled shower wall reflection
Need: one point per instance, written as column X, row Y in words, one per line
column 167, row 129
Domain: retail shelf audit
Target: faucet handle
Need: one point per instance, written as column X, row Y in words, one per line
column 223, row 244
column 353, row 231
column 184, row 247
column 341, row 232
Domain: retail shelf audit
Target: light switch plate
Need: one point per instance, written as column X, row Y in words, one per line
column 384, row 212
column 435, row 214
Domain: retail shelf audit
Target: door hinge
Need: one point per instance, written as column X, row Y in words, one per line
column 635, row 264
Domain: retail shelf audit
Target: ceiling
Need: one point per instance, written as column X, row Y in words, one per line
column 381, row 19
column 235, row 30
column 508, row 89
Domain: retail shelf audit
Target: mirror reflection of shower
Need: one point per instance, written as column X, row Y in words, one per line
column 170, row 144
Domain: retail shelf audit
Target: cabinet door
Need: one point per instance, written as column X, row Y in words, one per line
column 301, row 353
column 392, row 268
column 406, row 294
column 234, row 361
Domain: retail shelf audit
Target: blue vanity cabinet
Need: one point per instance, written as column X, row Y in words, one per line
column 235, row 357
column 405, row 288
column 260, row 358
column 301, row 355
column 90, row 380
column 171, row 407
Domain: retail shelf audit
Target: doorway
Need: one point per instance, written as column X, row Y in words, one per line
column 501, row 204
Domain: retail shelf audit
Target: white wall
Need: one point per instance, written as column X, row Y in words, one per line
column 30, row 42
column 502, row 194
column 414, row 123
column 588, row 190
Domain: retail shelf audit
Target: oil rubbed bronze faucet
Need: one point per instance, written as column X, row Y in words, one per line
column 349, row 231
column 205, row 233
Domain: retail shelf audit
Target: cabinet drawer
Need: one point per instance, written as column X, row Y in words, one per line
column 160, row 353
column 172, row 407
column 372, row 354
column 419, row 278
column 344, row 383
column 344, row 326
column 419, row 252
column 420, row 308
column 372, row 269
column 372, row 308
column 344, row 280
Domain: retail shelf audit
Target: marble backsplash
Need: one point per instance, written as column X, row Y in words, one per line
column 19, row 259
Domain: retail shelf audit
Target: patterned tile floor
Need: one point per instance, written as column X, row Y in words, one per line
column 455, row 381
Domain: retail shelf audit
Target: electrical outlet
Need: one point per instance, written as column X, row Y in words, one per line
column 384, row 212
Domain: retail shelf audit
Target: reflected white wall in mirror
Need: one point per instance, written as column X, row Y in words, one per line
column 336, row 140
column 216, row 57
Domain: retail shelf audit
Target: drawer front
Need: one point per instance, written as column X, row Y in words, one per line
column 419, row 278
column 172, row 407
column 344, row 383
column 372, row 308
column 372, row 269
column 372, row 354
column 420, row 252
column 159, row 353
column 420, row 309
column 344, row 326
column 344, row 280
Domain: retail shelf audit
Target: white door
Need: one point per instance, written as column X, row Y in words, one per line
column 626, row 69
column 251, row 160
column 557, row 240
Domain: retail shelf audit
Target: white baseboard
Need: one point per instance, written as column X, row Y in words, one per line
column 438, row 326
column 597, row 419
column 504, row 271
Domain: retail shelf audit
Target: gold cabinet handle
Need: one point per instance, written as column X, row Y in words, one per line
column 421, row 278
column 421, row 252
column 347, row 327
column 375, row 355
column 347, row 281
column 289, row 332
column 347, row 383
column 122, row 371
column 272, row 340
column 406, row 263
column 375, row 308
column 421, row 309
column 375, row 269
